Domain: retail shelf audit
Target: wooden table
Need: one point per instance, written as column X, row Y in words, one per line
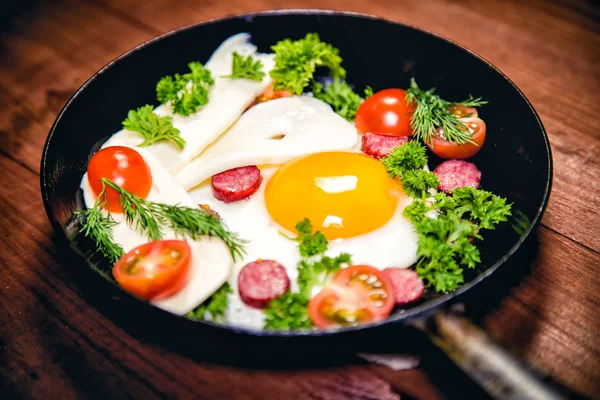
column 54, row 344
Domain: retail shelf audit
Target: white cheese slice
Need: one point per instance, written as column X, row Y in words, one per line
column 211, row 260
column 228, row 99
column 273, row 132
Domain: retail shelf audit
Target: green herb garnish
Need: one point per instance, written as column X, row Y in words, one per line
column 246, row 68
column 310, row 244
column 318, row 273
column 98, row 227
column 288, row 311
column 296, row 62
column 340, row 96
column 214, row 307
column 152, row 127
column 445, row 245
column 150, row 218
column 406, row 157
column 187, row 92
column 417, row 183
column 432, row 112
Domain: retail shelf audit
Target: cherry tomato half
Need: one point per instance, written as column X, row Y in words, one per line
column 125, row 167
column 357, row 295
column 270, row 94
column 385, row 113
column 450, row 150
column 154, row 270
column 460, row 111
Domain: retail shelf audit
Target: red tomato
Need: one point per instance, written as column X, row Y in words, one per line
column 359, row 294
column 154, row 270
column 270, row 94
column 385, row 113
column 125, row 167
column 463, row 112
column 449, row 150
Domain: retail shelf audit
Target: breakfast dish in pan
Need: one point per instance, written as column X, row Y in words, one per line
column 262, row 195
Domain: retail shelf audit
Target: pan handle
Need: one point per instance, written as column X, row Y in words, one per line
column 496, row 371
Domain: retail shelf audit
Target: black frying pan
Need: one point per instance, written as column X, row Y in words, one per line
column 516, row 163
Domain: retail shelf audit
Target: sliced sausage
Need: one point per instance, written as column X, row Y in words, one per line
column 236, row 184
column 379, row 146
column 408, row 287
column 261, row 281
column 454, row 174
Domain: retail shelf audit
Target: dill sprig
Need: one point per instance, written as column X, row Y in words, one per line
column 432, row 112
column 99, row 227
column 150, row 218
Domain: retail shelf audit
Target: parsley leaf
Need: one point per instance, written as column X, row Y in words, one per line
column 187, row 92
column 296, row 62
column 406, row 157
column 443, row 247
column 480, row 206
column 416, row 183
column 445, row 242
column 214, row 307
column 246, row 68
column 152, row 127
column 415, row 211
column 340, row 96
column 310, row 244
column 288, row 311
column 317, row 273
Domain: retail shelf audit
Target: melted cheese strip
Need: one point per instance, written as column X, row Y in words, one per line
column 273, row 133
column 228, row 99
column 211, row 261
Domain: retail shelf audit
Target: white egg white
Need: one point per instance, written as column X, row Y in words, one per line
column 273, row 132
column 211, row 261
column 392, row 245
column 228, row 99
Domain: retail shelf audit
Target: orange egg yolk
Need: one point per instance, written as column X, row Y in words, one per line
column 342, row 194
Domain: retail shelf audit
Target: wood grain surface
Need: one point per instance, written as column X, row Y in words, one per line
column 54, row 344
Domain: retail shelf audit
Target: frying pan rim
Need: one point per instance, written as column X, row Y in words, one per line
column 427, row 308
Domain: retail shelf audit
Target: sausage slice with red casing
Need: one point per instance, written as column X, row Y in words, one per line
column 408, row 287
column 379, row 146
column 236, row 184
column 261, row 281
column 454, row 174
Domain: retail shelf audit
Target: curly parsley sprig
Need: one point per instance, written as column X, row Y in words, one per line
column 309, row 244
column 214, row 307
column 152, row 127
column 99, row 227
column 187, row 92
column 406, row 163
column 431, row 112
column 296, row 62
column 445, row 242
column 340, row 96
column 290, row 311
column 246, row 68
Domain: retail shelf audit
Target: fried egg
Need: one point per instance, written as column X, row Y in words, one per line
column 346, row 195
column 273, row 132
column 211, row 261
column 228, row 98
